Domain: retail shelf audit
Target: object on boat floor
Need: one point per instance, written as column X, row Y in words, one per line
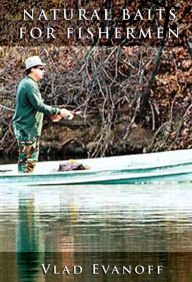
column 72, row 166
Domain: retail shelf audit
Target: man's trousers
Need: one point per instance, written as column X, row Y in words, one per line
column 28, row 155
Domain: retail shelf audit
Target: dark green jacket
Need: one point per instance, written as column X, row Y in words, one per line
column 28, row 117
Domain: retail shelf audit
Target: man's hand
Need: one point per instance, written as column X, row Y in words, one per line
column 63, row 114
column 55, row 118
column 66, row 114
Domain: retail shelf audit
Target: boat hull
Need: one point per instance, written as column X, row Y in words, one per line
column 102, row 177
column 174, row 166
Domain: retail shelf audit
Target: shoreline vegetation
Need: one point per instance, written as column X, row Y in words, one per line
column 134, row 95
column 108, row 85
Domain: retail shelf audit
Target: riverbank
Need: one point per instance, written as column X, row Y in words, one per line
column 117, row 117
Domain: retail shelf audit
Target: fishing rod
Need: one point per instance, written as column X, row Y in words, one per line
column 7, row 108
column 75, row 112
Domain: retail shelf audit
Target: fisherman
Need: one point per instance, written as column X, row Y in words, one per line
column 29, row 112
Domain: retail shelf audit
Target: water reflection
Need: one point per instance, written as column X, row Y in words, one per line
column 96, row 218
column 82, row 225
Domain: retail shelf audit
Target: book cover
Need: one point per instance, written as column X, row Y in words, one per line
column 124, row 68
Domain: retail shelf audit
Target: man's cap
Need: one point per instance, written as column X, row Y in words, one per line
column 33, row 61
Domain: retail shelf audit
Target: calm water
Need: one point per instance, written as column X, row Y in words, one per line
column 105, row 225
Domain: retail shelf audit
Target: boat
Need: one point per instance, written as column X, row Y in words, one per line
column 161, row 167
